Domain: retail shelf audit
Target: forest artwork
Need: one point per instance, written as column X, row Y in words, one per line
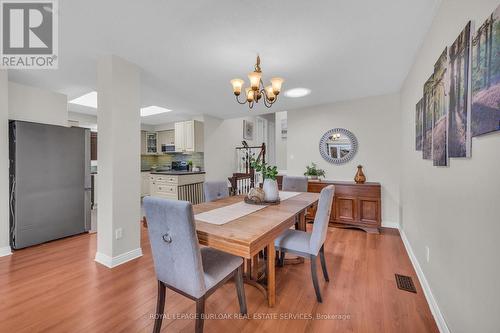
column 486, row 76
column 419, row 125
column 427, row 119
column 440, row 111
column 459, row 139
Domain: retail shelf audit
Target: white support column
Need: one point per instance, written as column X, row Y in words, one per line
column 118, row 143
column 4, row 164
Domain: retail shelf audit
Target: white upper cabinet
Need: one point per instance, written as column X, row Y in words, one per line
column 151, row 143
column 189, row 136
column 179, row 137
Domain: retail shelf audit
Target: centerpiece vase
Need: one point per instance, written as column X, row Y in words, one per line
column 270, row 188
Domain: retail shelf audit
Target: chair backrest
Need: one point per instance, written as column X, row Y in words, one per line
column 294, row 183
column 215, row 190
column 174, row 244
column 321, row 219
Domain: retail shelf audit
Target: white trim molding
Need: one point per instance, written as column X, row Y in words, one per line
column 5, row 251
column 112, row 262
column 436, row 312
column 390, row 224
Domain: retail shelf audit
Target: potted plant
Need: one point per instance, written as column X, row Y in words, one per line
column 190, row 165
column 313, row 172
column 269, row 174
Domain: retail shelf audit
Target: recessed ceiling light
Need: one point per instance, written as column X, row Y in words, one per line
column 89, row 100
column 152, row 110
column 297, row 92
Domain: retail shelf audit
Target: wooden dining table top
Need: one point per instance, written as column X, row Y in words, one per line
column 247, row 235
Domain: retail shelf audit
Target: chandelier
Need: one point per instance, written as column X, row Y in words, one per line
column 257, row 90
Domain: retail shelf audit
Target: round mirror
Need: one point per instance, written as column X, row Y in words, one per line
column 338, row 146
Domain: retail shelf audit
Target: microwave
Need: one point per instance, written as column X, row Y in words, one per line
column 167, row 148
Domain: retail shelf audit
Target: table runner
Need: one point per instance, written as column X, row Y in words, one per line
column 232, row 212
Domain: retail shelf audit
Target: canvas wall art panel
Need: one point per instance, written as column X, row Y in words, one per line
column 427, row 119
column 440, row 111
column 248, row 131
column 485, row 111
column 419, row 125
column 459, row 123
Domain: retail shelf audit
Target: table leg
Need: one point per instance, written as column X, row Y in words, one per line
column 271, row 276
column 302, row 221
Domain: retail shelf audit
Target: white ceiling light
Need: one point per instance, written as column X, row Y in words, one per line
column 297, row 92
column 152, row 110
column 89, row 100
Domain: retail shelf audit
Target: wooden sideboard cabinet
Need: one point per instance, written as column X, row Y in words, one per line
column 354, row 205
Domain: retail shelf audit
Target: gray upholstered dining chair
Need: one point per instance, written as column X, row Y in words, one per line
column 214, row 190
column 309, row 245
column 179, row 262
column 294, row 183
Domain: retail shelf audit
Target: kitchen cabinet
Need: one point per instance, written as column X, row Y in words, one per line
column 188, row 187
column 145, row 184
column 165, row 138
column 143, row 143
column 189, row 136
column 151, row 143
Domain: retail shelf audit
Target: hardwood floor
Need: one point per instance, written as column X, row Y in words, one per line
column 58, row 287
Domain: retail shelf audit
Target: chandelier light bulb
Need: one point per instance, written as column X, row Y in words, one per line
column 276, row 83
column 237, row 85
column 250, row 94
column 254, row 78
column 270, row 93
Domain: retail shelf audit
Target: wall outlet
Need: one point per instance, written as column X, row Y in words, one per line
column 427, row 253
column 119, row 233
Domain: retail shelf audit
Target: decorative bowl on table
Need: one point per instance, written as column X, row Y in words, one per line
column 256, row 197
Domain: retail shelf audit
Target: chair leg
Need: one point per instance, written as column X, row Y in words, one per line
column 323, row 262
column 282, row 258
column 238, row 279
column 314, row 276
column 200, row 311
column 160, row 306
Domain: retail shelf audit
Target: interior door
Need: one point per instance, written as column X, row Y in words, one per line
column 261, row 130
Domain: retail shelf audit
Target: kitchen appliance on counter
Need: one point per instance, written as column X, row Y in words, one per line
column 180, row 166
column 50, row 189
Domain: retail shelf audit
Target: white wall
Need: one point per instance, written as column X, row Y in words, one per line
column 453, row 210
column 280, row 143
column 83, row 120
column 37, row 105
column 221, row 139
column 4, row 165
column 374, row 121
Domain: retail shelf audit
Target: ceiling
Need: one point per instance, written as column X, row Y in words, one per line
column 190, row 50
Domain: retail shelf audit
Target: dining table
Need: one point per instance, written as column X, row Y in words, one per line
column 233, row 226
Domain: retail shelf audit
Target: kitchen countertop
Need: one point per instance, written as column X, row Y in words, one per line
column 177, row 173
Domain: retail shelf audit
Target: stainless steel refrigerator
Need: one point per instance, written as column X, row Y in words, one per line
column 49, row 182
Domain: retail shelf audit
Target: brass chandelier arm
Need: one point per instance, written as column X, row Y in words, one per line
column 238, row 100
column 267, row 102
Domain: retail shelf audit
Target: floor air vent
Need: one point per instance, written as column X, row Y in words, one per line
column 405, row 283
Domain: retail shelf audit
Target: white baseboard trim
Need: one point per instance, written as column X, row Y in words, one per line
column 5, row 251
column 111, row 262
column 390, row 224
column 436, row 312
